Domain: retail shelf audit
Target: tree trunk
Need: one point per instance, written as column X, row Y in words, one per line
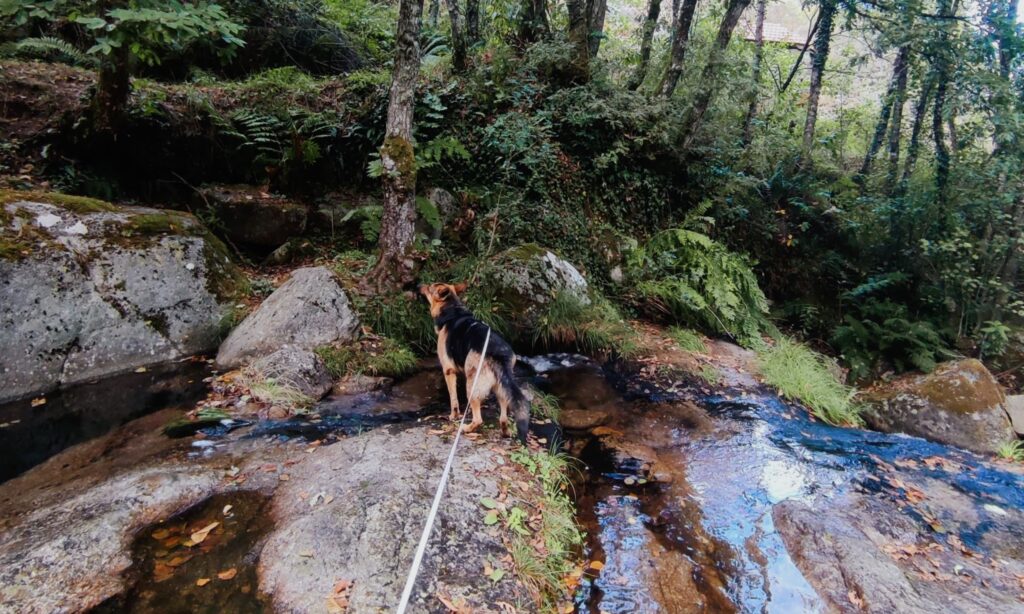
column 395, row 264
column 915, row 133
column 458, row 35
column 896, row 122
column 681, row 23
column 472, row 22
column 748, row 121
column 646, row 42
column 434, row 11
column 709, row 78
column 113, row 87
column 596, row 11
column 579, row 37
column 800, row 57
column 899, row 71
column 819, row 57
column 534, row 23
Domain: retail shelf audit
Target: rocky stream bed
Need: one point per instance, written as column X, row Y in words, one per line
column 694, row 499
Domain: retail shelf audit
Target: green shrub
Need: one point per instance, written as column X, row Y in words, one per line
column 802, row 374
column 880, row 332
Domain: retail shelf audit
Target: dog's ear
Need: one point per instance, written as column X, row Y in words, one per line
column 442, row 292
column 460, row 288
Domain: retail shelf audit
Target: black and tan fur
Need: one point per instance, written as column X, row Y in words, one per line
column 460, row 340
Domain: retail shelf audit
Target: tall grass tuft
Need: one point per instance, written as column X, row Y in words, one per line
column 804, row 375
column 593, row 328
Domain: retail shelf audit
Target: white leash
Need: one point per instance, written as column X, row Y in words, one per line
column 418, row 559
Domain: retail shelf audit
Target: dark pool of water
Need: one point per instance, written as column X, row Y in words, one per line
column 30, row 435
column 169, row 575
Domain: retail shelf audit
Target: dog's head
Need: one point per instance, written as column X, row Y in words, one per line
column 439, row 295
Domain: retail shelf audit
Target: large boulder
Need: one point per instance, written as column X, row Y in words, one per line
column 253, row 217
column 960, row 404
column 527, row 278
column 1015, row 408
column 309, row 310
column 88, row 290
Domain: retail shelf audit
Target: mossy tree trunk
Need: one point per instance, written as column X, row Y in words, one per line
column 646, row 43
column 755, row 85
column 113, row 88
column 458, row 35
column 914, row 148
column 533, row 25
column 899, row 70
column 681, row 22
column 472, row 22
column 819, row 57
column 896, row 121
column 579, row 37
column 396, row 264
column 596, row 11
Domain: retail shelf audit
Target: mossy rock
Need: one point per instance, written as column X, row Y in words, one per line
column 959, row 403
column 521, row 281
column 92, row 289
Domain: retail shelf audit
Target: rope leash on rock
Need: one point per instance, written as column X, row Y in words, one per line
column 432, row 516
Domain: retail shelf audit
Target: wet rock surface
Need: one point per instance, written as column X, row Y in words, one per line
column 738, row 501
column 309, row 310
column 89, row 290
column 960, row 403
column 345, row 499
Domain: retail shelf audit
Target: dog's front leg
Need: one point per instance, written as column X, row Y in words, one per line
column 451, row 378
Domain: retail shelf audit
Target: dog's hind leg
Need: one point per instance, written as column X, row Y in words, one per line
column 477, row 418
column 451, row 378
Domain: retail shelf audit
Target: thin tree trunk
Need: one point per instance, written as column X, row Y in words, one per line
column 433, row 12
column 942, row 155
column 898, row 72
column 113, row 87
column 534, row 23
column 800, row 56
column 681, row 23
column 395, row 264
column 915, row 132
column 579, row 37
column 819, row 57
column 472, row 22
column 709, row 78
column 596, row 11
column 896, row 122
column 458, row 35
column 646, row 42
column 748, row 121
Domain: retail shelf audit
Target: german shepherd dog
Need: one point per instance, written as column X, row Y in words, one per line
column 460, row 341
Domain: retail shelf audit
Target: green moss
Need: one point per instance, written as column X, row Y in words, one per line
column 223, row 279
column 401, row 152
column 964, row 387
column 14, row 249
column 77, row 204
column 687, row 340
column 160, row 223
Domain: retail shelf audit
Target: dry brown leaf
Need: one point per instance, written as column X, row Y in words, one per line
column 596, row 565
column 855, row 599
column 228, row 574
column 202, row 581
column 39, row 401
column 197, row 537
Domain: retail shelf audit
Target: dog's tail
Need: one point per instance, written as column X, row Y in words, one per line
column 517, row 401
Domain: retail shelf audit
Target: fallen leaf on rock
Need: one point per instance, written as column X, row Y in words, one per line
column 596, row 565
column 855, row 599
column 38, row 402
column 285, row 477
column 141, row 370
column 197, row 537
column 228, row 574
column 227, row 508
column 306, row 554
column 605, row 430
column 202, row 581
column 160, row 534
column 337, row 601
column 178, row 561
column 457, row 605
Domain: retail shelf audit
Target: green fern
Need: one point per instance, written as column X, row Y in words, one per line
column 49, row 47
column 700, row 283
